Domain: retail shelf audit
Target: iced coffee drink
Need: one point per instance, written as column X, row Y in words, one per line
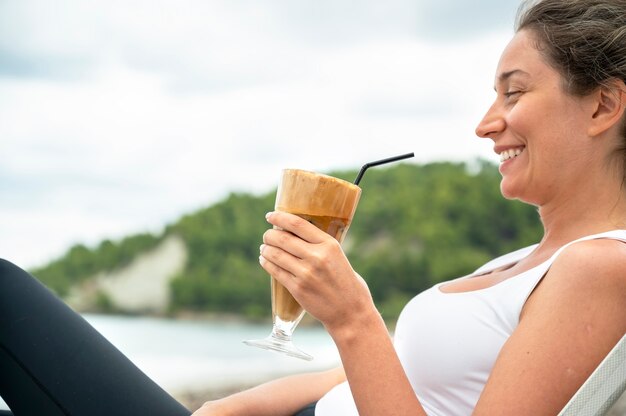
column 329, row 204
column 326, row 202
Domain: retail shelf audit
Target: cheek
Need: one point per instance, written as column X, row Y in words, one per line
column 523, row 120
column 539, row 123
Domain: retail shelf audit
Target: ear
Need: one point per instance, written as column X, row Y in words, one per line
column 609, row 106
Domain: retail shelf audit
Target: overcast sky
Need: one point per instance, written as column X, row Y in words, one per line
column 118, row 117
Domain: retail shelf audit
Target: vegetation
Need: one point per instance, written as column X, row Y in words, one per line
column 416, row 225
column 81, row 263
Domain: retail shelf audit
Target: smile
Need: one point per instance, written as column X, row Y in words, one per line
column 510, row 153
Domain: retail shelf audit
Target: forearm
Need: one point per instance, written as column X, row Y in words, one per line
column 284, row 396
column 377, row 380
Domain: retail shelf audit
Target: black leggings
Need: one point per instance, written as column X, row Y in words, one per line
column 306, row 411
column 53, row 363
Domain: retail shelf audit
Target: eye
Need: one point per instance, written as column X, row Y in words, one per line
column 510, row 94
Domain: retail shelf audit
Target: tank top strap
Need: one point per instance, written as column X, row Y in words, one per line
column 612, row 235
column 532, row 277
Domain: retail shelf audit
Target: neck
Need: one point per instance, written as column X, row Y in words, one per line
column 577, row 214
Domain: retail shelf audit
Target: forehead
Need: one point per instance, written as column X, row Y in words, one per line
column 521, row 56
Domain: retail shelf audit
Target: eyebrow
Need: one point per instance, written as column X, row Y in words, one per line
column 504, row 76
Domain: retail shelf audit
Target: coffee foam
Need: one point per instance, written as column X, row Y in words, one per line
column 304, row 192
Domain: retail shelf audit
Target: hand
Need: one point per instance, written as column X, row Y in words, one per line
column 315, row 270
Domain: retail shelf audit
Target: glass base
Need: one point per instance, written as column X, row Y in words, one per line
column 274, row 343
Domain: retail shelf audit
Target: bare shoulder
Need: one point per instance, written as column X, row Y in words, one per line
column 592, row 264
column 578, row 308
column 587, row 279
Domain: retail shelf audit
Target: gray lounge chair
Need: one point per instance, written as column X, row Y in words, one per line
column 602, row 389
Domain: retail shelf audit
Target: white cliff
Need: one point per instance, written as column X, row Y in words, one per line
column 140, row 287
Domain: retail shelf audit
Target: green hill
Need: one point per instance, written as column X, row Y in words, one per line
column 415, row 225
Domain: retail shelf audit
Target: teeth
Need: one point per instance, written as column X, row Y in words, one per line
column 510, row 153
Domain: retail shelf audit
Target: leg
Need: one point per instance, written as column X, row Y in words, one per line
column 58, row 364
column 15, row 382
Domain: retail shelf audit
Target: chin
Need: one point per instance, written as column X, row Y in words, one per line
column 508, row 191
column 511, row 193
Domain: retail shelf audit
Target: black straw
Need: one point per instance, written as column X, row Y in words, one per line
column 380, row 162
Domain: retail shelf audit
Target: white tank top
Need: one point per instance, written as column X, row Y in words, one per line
column 448, row 342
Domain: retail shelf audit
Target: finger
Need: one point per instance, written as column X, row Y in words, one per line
column 287, row 241
column 297, row 226
column 281, row 258
column 283, row 276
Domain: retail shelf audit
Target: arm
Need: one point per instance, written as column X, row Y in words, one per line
column 569, row 324
column 312, row 266
column 378, row 382
column 284, row 396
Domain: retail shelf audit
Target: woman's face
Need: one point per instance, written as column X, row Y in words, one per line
column 537, row 128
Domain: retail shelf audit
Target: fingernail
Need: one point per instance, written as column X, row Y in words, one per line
column 261, row 260
column 261, row 247
column 268, row 215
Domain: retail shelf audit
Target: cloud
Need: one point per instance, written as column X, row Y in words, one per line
column 220, row 44
column 448, row 20
column 119, row 116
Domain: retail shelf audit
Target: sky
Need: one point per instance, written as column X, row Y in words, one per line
column 118, row 117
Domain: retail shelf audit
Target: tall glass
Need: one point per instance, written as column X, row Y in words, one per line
column 328, row 203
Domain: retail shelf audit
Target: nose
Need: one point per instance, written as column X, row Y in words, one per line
column 491, row 124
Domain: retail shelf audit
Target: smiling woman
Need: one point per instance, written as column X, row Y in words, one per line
column 517, row 336
column 520, row 334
